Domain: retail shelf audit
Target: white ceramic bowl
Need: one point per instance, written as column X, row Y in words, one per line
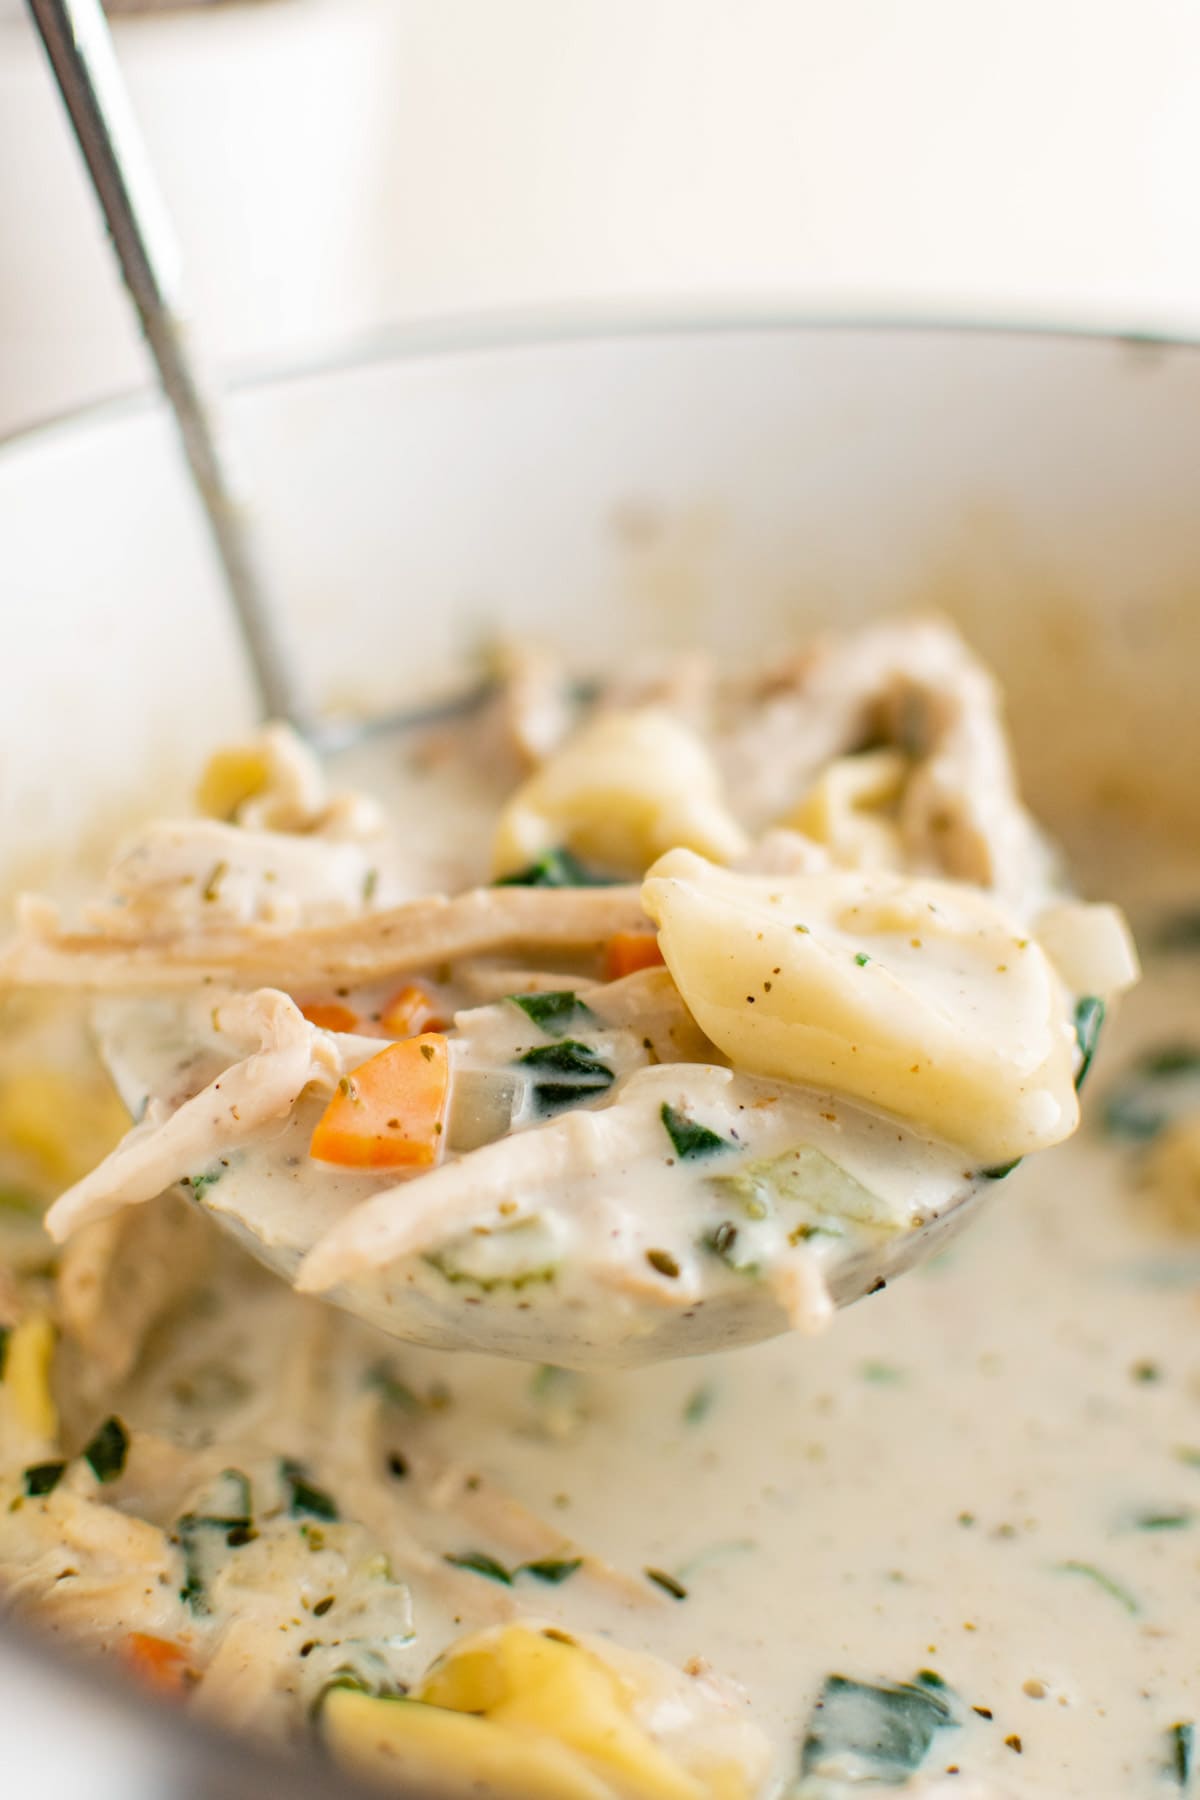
column 727, row 484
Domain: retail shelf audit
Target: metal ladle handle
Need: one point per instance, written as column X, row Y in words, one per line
column 80, row 48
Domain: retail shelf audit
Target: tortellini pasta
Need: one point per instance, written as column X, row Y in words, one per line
column 850, row 806
column 275, row 782
column 536, row 1715
column 914, row 995
column 624, row 789
column 27, row 1396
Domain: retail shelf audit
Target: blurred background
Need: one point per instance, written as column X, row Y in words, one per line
column 340, row 166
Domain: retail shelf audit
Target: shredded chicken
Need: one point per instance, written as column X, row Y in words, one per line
column 913, row 683
column 167, row 1146
column 649, row 1003
column 505, row 1174
column 416, row 935
column 534, row 701
column 197, row 875
column 454, row 1197
column 117, row 1276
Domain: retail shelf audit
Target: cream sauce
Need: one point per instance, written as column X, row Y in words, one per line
column 990, row 1470
column 958, row 1476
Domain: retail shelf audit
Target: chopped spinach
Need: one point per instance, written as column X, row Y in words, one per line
column 480, row 1563
column 226, row 1521
column 200, row 1184
column 107, row 1451
column 230, row 1501
column 1089, row 1018
column 1158, row 1085
column 202, row 1537
column 1182, row 1760
column 552, row 1569
column 555, row 1013
column 874, row 1735
column 549, row 1382
column 1163, row 1521
column 881, row 1374
column 192, row 1593
column 1105, row 1582
column 556, row 869
column 698, row 1405
column 566, row 1073
column 304, row 1496
column 43, row 1478
column 396, row 1392
column 1001, row 1170
column 691, row 1141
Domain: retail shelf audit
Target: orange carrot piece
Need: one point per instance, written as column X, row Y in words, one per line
column 157, row 1662
column 409, row 1011
column 390, row 1113
column 628, row 951
column 331, row 1015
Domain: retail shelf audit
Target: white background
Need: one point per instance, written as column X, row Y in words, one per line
column 338, row 164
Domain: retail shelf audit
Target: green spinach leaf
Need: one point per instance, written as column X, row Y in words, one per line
column 555, row 1013
column 874, row 1734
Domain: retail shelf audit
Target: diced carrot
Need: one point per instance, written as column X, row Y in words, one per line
column 157, row 1662
column 330, row 1015
column 628, row 951
column 390, row 1113
column 410, row 1010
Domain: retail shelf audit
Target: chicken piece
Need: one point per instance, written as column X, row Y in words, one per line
column 506, row 1174
column 118, row 1276
column 416, row 935
column 165, row 1147
column 915, row 686
column 649, row 1003
column 198, row 875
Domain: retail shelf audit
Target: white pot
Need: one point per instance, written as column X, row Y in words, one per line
column 722, row 485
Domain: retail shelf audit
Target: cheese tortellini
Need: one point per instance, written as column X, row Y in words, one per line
column 850, row 807
column 914, row 995
column 620, row 792
column 537, row 1715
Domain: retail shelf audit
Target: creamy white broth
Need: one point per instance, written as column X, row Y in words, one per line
column 904, row 1493
column 928, row 1485
column 573, row 1270
column 955, row 1479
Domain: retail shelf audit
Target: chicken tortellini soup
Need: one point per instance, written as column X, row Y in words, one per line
column 607, row 1030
